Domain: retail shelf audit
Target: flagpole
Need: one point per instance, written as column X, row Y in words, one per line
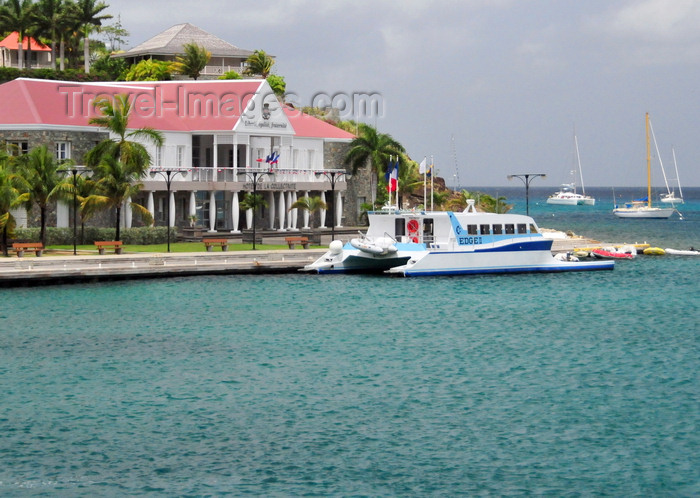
column 397, row 182
column 425, row 181
column 432, row 174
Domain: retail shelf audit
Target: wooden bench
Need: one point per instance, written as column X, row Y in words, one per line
column 293, row 241
column 210, row 243
column 20, row 247
column 104, row 244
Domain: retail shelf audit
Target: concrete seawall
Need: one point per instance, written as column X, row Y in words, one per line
column 51, row 269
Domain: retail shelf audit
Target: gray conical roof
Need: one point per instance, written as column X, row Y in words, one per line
column 172, row 40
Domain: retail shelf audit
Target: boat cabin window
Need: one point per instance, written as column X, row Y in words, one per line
column 428, row 226
column 510, row 228
column 471, row 229
column 399, row 227
column 522, row 228
column 497, row 229
column 533, row 229
column 485, row 229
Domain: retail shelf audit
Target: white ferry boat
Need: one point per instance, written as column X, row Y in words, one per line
column 412, row 243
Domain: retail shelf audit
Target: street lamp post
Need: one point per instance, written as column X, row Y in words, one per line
column 526, row 178
column 254, row 176
column 333, row 175
column 75, row 171
column 168, row 174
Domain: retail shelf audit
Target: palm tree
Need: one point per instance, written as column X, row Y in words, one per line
column 372, row 149
column 259, row 64
column 84, row 188
column 116, row 182
column 193, row 61
column 252, row 201
column 88, row 17
column 10, row 198
column 17, row 15
column 310, row 204
column 51, row 18
column 115, row 119
column 39, row 177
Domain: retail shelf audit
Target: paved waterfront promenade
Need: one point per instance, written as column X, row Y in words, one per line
column 53, row 269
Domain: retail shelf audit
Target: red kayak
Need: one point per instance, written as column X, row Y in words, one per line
column 605, row 254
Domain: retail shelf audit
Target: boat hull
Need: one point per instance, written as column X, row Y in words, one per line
column 523, row 257
column 645, row 212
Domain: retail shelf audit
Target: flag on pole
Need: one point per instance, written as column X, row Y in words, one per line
column 393, row 177
column 422, row 165
column 274, row 158
column 389, row 169
column 429, row 170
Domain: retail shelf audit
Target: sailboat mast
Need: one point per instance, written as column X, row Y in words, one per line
column 678, row 178
column 648, row 163
column 578, row 163
column 658, row 154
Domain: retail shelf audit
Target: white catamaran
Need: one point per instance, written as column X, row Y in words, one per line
column 567, row 195
column 411, row 243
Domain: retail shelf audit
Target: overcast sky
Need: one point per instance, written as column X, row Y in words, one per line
column 486, row 87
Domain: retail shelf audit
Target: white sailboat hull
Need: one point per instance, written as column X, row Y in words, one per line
column 644, row 212
column 671, row 199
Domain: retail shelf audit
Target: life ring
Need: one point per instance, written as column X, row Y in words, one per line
column 412, row 226
column 415, row 240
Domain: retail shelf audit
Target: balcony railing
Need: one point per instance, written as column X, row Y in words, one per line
column 244, row 175
column 222, row 69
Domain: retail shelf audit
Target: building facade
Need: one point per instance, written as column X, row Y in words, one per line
column 223, row 139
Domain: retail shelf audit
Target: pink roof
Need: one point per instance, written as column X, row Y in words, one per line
column 187, row 106
column 10, row 42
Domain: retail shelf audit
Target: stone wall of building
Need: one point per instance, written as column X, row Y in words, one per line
column 358, row 186
column 81, row 141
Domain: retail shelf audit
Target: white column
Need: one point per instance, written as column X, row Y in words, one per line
column 290, row 223
column 63, row 210
column 128, row 215
column 282, row 212
column 306, row 212
column 249, row 218
column 212, row 211
column 171, row 209
column 338, row 209
column 235, row 213
column 150, row 205
column 323, row 211
column 193, row 204
column 271, row 207
column 295, row 212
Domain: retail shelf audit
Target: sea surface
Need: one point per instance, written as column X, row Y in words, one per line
column 578, row 384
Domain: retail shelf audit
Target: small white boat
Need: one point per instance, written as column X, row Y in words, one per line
column 682, row 252
column 447, row 243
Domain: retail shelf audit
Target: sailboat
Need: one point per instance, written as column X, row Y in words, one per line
column 567, row 195
column 670, row 196
column 642, row 208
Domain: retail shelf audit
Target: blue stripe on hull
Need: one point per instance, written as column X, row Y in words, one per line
column 531, row 269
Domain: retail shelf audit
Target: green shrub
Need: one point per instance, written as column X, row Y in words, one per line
column 8, row 73
column 64, row 236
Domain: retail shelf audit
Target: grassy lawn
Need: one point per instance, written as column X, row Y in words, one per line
column 177, row 247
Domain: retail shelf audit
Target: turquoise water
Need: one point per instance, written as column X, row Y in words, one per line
column 566, row 384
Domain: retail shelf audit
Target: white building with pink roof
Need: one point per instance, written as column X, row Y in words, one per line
column 219, row 135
